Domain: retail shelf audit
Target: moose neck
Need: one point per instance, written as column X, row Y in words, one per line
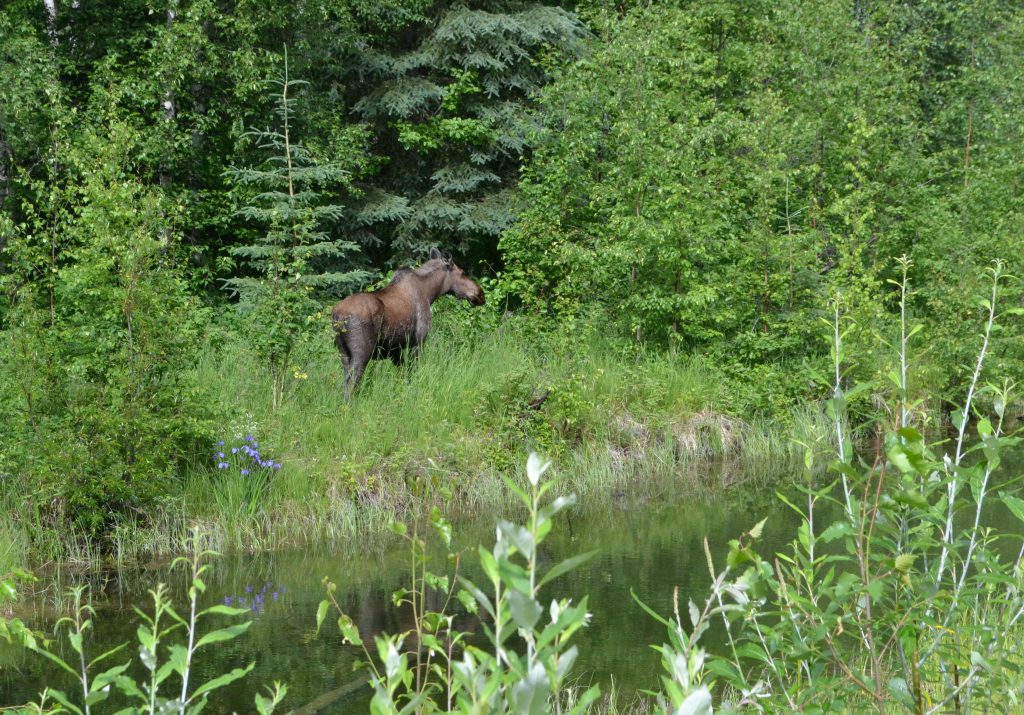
column 431, row 285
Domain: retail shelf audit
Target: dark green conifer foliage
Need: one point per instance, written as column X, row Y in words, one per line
column 287, row 265
column 451, row 114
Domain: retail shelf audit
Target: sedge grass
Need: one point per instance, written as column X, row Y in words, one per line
column 441, row 429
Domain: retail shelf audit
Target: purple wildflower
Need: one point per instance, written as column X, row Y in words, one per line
column 234, row 450
column 244, row 472
column 228, row 600
column 219, row 455
column 248, row 589
column 276, row 467
column 221, row 443
column 222, row 465
column 274, row 595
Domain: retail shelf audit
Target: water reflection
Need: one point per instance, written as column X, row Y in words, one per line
column 647, row 546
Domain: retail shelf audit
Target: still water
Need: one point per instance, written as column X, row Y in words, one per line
column 649, row 546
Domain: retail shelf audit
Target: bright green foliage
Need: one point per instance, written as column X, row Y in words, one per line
column 290, row 261
column 14, row 630
column 98, row 327
column 655, row 188
column 449, row 673
column 893, row 602
column 702, row 178
column 166, row 687
column 713, row 172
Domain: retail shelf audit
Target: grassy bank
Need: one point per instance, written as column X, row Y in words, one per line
column 440, row 430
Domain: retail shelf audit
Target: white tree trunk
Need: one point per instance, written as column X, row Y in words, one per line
column 51, row 20
column 170, row 113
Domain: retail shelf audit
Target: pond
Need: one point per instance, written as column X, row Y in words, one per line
column 649, row 546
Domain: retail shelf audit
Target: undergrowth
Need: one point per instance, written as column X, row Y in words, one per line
column 478, row 395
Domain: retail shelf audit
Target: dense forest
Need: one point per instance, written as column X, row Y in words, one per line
column 678, row 178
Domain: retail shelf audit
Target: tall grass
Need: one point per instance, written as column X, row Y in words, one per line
column 442, row 427
column 459, row 415
column 13, row 546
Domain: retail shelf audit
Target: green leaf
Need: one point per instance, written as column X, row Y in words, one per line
column 749, row 650
column 321, row 614
column 525, row 609
column 900, row 691
column 489, row 565
column 518, row 536
column 349, row 631
column 697, row 702
column 97, row 696
column 221, row 609
column 98, row 659
column 586, row 700
column 875, row 589
column 480, row 597
column 837, row 530
column 108, row 676
column 899, row 458
column 61, row 698
column 222, row 680
column 556, row 505
column 755, row 533
column 529, row 696
column 467, row 600
column 56, row 659
column 904, row 562
column 782, row 497
column 223, row 634
column 129, row 687
column 650, row 611
column 724, row 669
column 979, row 662
column 1015, row 505
column 75, row 639
column 565, row 566
column 911, row 498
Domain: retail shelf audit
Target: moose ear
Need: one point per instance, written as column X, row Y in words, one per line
column 434, row 254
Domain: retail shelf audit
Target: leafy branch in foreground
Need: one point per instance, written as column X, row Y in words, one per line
column 896, row 601
column 448, row 672
column 163, row 627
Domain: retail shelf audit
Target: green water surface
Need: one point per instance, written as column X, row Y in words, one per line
column 650, row 546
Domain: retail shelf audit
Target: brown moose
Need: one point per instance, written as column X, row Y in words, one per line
column 386, row 322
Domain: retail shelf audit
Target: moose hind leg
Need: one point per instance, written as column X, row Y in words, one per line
column 355, row 346
column 354, row 373
column 341, row 341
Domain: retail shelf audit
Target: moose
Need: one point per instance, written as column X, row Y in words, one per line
column 385, row 323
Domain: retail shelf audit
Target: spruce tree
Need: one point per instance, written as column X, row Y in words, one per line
column 288, row 264
column 450, row 110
